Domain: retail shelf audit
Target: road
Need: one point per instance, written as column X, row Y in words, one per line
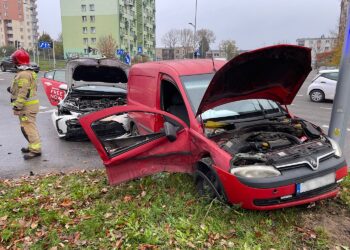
column 59, row 155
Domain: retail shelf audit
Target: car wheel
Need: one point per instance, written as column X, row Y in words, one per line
column 3, row 69
column 207, row 185
column 133, row 130
column 317, row 95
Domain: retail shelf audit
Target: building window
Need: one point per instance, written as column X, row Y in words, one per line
column 92, row 7
column 86, row 41
column 326, row 48
column 84, row 19
column 83, row 8
column 92, row 30
column 93, row 40
column 85, row 30
column 92, row 19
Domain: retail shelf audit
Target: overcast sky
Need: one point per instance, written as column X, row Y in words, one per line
column 251, row 23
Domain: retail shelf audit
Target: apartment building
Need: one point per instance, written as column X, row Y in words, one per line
column 130, row 22
column 318, row 45
column 18, row 23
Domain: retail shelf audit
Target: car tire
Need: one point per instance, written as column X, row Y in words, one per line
column 317, row 95
column 207, row 185
column 2, row 67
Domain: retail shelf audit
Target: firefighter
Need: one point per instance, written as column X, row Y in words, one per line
column 25, row 103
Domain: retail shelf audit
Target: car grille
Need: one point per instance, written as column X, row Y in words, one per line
column 307, row 162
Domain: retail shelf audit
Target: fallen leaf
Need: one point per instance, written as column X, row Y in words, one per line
column 104, row 190
column 53, row 248
column 66, row 203
column 147, row 247
column 127, row 198
column 143, row 193
column 119, row 244
column 34, row 225
column 108, row 215
column 76, row 237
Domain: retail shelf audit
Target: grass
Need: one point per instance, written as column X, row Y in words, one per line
column 81, row 210
column 46, row 65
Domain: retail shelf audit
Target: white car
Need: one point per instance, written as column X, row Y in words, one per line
column 91, row 85
column 324, row 85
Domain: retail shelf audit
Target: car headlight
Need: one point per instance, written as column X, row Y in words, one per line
column 336, row 147
column 255, row 171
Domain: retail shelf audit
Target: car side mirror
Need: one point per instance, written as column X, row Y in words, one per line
column 170, row 131
column 63, row 87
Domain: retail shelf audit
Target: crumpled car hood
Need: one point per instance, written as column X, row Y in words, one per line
column 275, row 73
column 96, row 72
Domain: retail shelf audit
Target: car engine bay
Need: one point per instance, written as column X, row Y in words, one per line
column 271, row 142
column 87, row 104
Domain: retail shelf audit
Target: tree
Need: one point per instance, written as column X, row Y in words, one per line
column 186, row 40
column 171, row 38
column 45, row 37
column 107, row 46
column 8, row 50
column 205, row 38
column 229, row 47
column 59, row 47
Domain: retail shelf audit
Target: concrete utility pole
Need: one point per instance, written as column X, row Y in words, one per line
column 341, row 104
column 195, row 28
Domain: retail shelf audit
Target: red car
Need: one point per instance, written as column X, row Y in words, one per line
column 225, row 124
column 54, row 85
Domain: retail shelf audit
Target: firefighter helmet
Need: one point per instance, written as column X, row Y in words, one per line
column 20, row 57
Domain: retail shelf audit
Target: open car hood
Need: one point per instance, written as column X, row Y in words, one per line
column 96, row 72
column 275, row 73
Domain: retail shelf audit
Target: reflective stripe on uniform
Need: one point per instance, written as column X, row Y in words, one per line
column 21, row 82
column 35, row 146
column 23, row 118
column 28, row 103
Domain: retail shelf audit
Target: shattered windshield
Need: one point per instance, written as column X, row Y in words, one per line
column 196, row 85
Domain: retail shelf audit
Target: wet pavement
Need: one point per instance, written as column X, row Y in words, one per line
column 60, row 155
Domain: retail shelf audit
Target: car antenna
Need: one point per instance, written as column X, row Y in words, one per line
column 212, row 59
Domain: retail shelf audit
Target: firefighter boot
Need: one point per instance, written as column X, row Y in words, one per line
column 25, row 150
column 31, row 155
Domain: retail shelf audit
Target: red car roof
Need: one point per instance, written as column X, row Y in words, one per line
column 183, row 67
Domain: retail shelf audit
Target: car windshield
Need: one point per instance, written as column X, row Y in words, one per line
column 196, row 86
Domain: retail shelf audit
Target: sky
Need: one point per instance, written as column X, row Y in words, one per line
column 251, row 23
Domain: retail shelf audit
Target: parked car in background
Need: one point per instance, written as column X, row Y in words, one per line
column 7, row 64
column 324, row 85
column 54, row 85
column 91, row 85
column 226, row 124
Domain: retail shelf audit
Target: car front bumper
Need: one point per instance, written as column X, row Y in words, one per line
column 281, row 192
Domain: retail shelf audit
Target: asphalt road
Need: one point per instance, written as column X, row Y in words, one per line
column 59, row 155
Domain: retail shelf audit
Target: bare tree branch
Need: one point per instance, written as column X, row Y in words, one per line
column 107, row 46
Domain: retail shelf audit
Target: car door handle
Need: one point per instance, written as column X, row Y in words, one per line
column 323, row 82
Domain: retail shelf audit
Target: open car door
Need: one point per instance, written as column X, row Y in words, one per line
column 148, row 141
column 52, row 82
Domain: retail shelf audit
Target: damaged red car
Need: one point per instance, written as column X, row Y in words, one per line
column 228, row 125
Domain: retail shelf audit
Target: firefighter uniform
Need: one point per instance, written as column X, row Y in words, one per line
column 25, row 104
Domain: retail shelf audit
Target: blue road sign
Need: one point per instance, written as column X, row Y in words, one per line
column 45, row 45
column 127, row 59
column 120, row 52
column 139, row 50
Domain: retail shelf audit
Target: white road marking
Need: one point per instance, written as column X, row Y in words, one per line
column 42, row 107
column 2, row 79
column 300, row 95
column 326, row 126
column 325, row 108
column 47, row 111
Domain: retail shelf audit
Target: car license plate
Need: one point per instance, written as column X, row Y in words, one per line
column 315, row 183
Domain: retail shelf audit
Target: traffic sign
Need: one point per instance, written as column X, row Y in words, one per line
column 45, row 45
column 120, row 52
column 139, row 50
column 127, row 59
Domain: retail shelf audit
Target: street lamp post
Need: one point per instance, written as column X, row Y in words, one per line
column 195, row 28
